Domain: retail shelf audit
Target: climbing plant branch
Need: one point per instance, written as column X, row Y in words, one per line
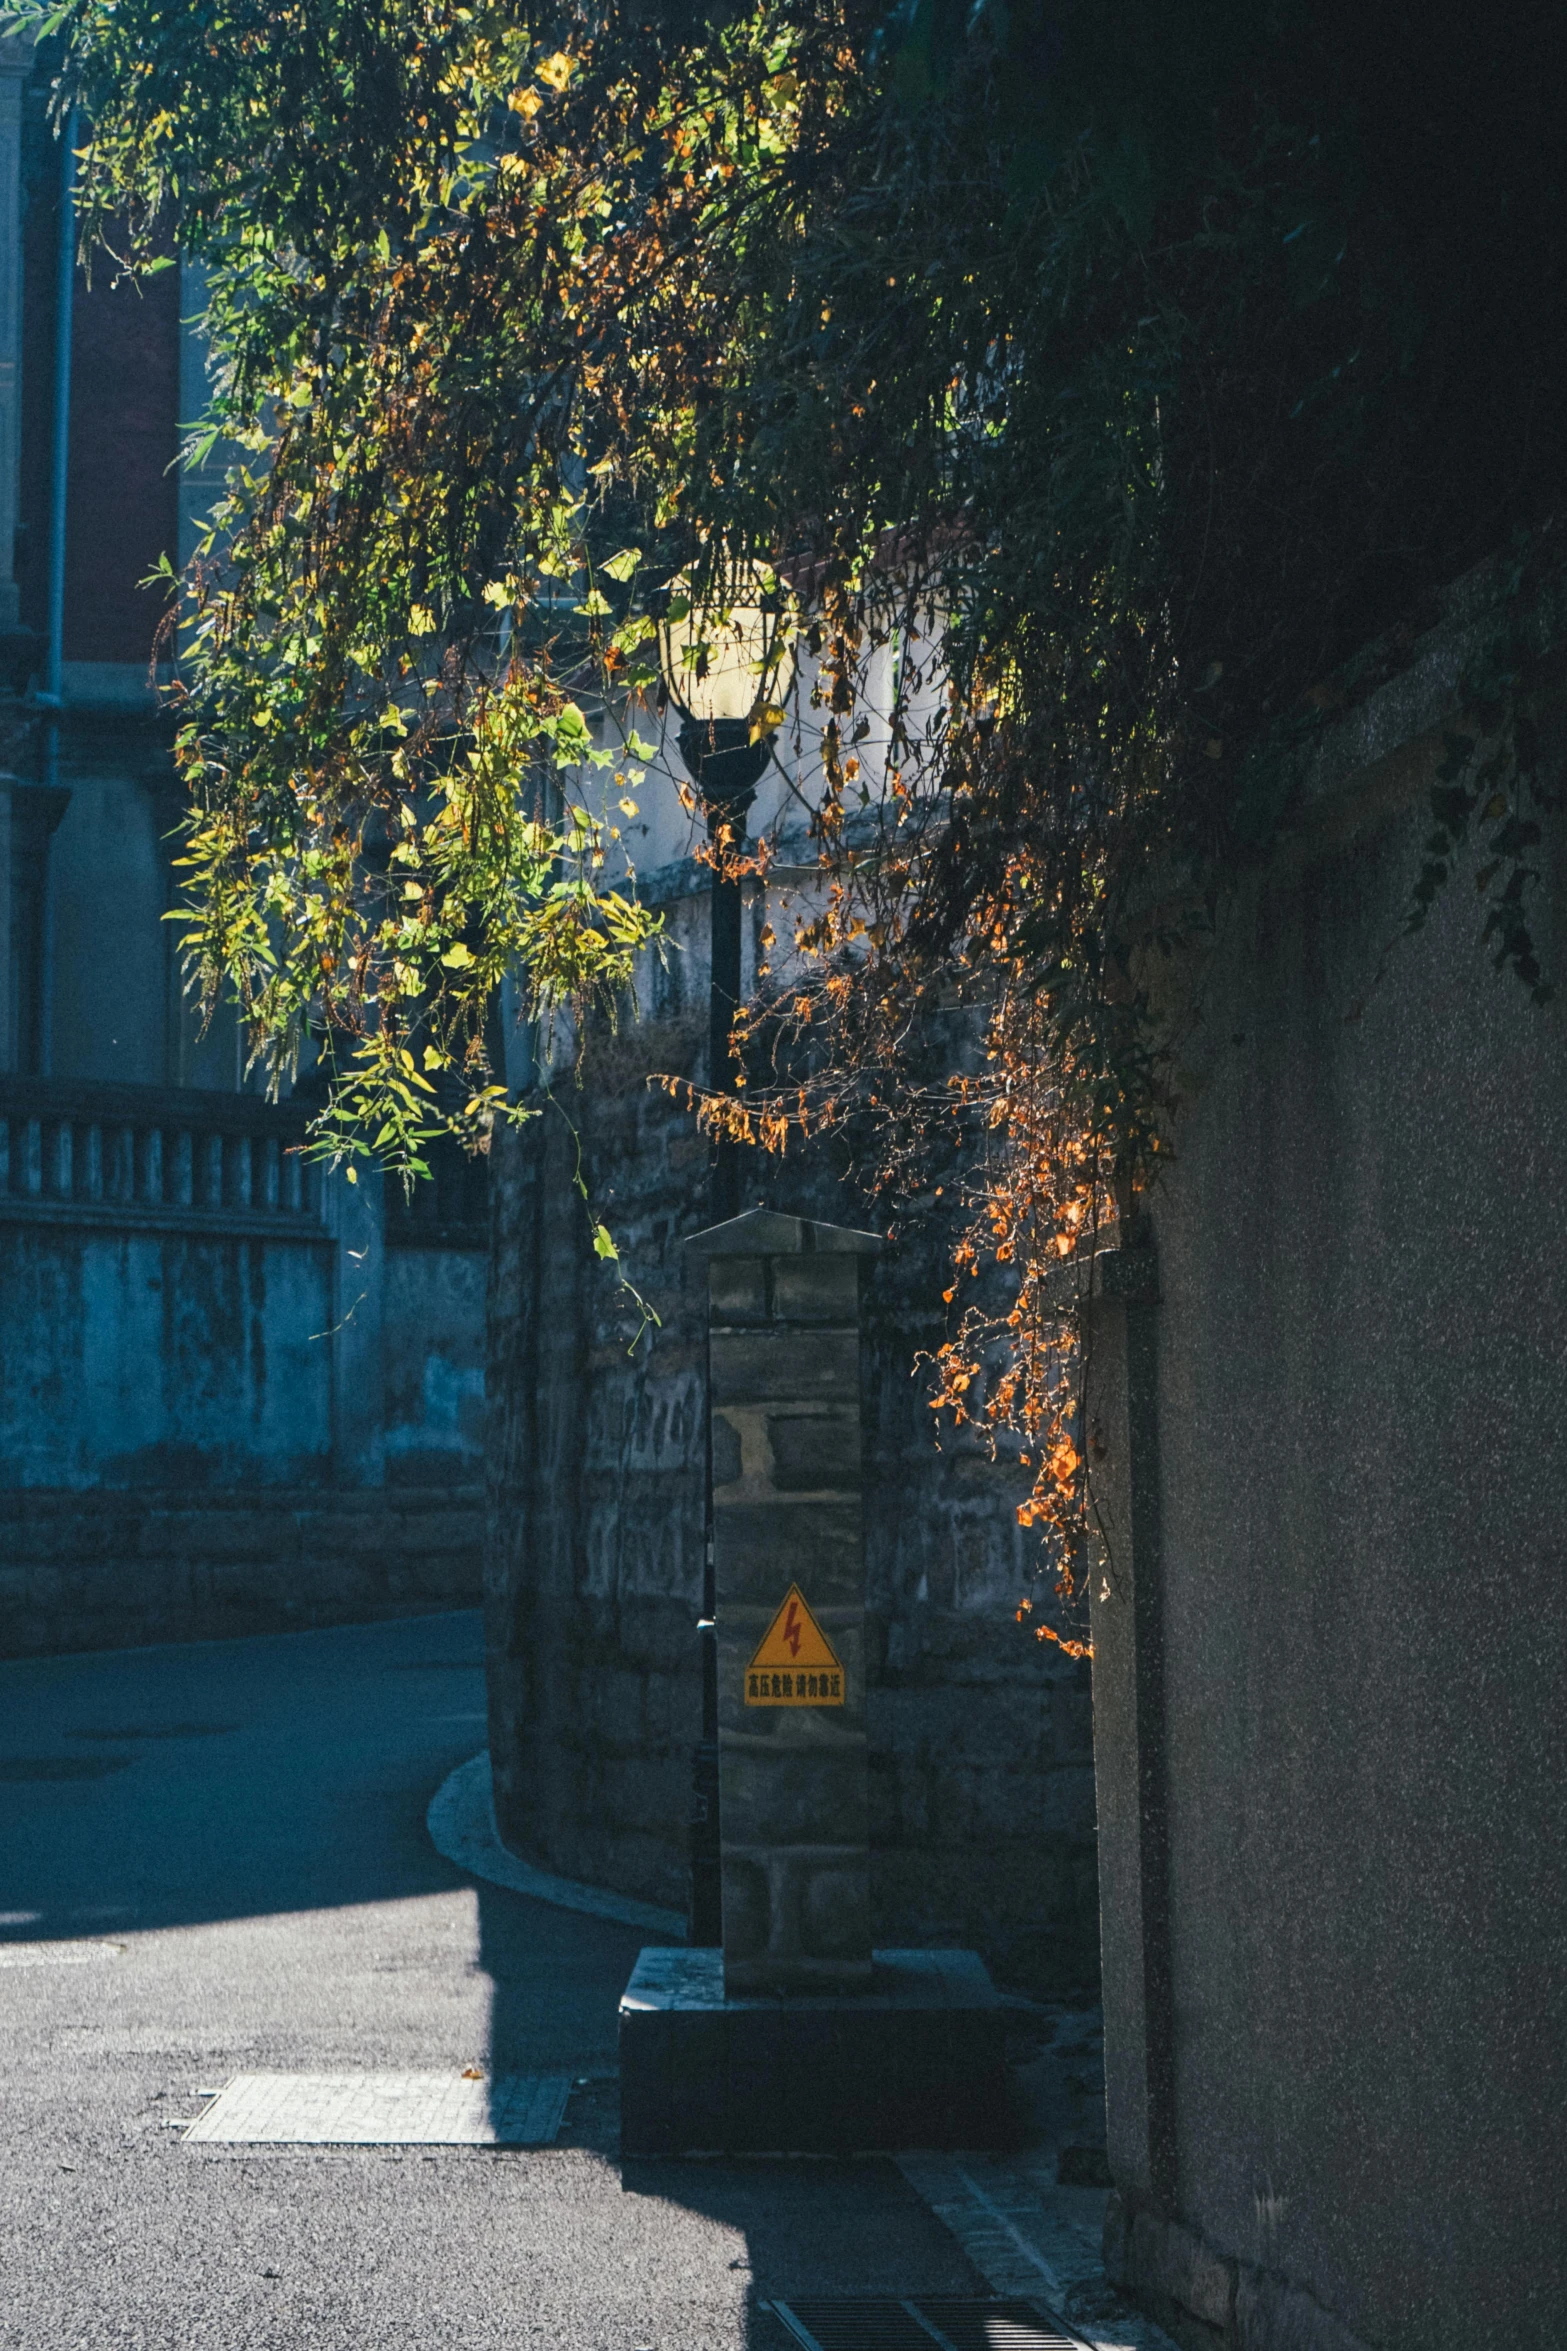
column 1100, row 379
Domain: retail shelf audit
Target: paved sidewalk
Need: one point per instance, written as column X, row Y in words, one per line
column 1025, row 2234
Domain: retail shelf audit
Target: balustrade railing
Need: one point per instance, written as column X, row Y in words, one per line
column 131, row 1153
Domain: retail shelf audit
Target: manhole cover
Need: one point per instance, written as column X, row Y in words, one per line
column 953, row 2323
column 386, row 2110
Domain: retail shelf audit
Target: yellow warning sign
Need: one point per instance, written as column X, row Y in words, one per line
column 795, row 1664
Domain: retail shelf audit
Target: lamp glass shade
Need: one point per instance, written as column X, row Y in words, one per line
column 730, row 657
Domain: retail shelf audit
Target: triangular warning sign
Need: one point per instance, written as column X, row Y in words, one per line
column 795, row 1663
column 795, row 1638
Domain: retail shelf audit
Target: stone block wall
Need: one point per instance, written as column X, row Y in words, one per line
column 979, row 1741
column 116, row 1570
column 1207, row 2301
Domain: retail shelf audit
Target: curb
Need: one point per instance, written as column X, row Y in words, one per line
column 461, row 1822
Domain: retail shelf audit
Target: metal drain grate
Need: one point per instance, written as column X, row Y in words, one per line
column 951, row 2323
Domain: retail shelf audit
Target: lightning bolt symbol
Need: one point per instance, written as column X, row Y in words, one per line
column 792, row 1628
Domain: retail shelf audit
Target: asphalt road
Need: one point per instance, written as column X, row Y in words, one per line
column 213, row 1860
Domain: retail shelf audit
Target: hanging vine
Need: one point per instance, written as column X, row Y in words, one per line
column 1104, row 378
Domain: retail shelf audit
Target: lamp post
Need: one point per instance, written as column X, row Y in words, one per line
column 727, row 666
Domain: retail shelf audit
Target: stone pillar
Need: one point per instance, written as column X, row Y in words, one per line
column 796, row 2037
column 16, row 63
column 789, row 1573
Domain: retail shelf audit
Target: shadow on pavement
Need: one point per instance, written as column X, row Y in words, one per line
column 222, row 1779
column 815, row 2227
column 161, row 1788
column 808, row 2226
column 556, row 1979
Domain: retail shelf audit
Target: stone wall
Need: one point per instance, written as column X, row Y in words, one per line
column 1331, row 1649
column 115, row 1570
column 981, row 1787
column 434, row 1271
column 1207, row 2300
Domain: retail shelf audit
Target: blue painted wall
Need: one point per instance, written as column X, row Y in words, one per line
column 163, row 1359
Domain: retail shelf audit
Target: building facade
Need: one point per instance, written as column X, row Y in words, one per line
column 235, row 1392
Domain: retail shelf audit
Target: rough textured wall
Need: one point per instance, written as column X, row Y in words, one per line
column 1361, row 1363
column 981, row 1777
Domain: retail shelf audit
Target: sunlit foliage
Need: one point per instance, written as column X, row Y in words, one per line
column 1101, row 377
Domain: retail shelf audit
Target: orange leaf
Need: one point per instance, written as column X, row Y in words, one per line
column 1065, row 1462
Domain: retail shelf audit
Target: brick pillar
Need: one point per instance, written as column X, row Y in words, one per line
column 784, row 1368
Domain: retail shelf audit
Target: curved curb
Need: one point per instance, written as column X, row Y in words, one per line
column 461, row 1822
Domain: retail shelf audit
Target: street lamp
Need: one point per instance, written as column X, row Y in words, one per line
column 727, row 664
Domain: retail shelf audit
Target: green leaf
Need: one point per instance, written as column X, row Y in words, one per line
column 603, row 1244
column 621, row 566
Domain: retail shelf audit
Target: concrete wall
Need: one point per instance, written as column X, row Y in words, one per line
column 980, row 1778
column 113, row 988
column 1331, row 1653
column 145, row 1358
column 213, row 1361
column 432, row 1365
